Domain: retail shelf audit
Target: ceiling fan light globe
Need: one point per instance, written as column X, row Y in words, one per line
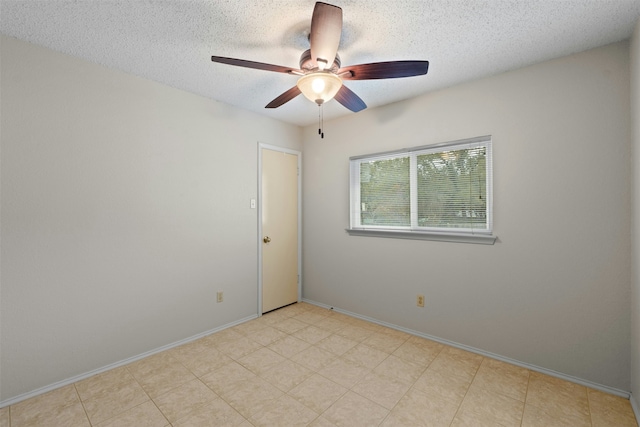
column 317, row 85
column 320, row 85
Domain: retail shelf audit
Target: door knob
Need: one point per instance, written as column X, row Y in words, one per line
column 266, row 239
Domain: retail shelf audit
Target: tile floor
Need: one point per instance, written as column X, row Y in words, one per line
column 304, row 365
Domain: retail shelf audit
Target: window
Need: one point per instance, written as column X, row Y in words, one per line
column 436, row 192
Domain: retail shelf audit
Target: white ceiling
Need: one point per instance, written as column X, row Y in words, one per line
column 172, row 41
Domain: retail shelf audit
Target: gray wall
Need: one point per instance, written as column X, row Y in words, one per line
column 554, row 290
column 635, row 278
column 125, row 207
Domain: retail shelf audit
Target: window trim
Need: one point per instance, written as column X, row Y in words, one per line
column 483, row 239
column 484, row 236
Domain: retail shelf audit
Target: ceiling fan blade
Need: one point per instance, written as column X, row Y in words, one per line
column 256, row 65
column 326, row 30
column 384, row 70
column 349, row 99
column 284, row 98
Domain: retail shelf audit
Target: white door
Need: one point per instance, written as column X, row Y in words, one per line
column 279, row 227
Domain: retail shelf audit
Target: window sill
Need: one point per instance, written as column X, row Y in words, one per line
column 482, row 239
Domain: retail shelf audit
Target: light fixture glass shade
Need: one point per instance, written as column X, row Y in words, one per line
column 319, row 87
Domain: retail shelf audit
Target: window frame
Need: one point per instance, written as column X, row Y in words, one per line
column 413, row 231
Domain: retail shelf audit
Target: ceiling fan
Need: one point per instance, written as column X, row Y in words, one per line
column 321, row 73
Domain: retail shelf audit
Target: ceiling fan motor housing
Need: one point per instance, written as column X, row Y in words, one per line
column 307, row 64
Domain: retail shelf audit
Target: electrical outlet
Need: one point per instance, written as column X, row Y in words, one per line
column 420, row 300
column 220, row 296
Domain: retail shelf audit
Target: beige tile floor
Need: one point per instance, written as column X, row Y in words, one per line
column 304, row 365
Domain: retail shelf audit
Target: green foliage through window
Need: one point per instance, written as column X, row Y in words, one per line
column 452, row 189
column 384, row 192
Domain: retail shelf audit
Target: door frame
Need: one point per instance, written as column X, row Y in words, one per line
column 262, row 146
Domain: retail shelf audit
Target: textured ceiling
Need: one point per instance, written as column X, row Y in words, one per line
column 172, row 41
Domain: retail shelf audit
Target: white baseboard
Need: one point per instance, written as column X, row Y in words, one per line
column 596, row 386
column 85, row 375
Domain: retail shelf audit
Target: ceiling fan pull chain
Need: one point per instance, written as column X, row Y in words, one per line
column 322, row 113
column 320, row 120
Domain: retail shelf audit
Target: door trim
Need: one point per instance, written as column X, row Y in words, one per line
column 262, row 146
